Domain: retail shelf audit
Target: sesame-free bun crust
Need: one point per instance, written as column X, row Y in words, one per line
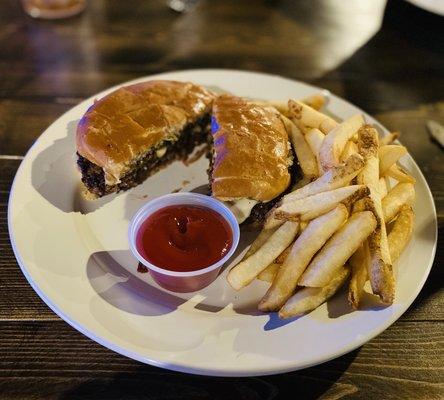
column 251, row 147
column 126, row 123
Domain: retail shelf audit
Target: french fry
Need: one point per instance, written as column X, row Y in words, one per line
column 244, row 272
column 381, row 275
column 335, row 141
column 358, row 262
column 306, row 158
column 332, row 257
column 280, row 106
column 382, row 187
column 402, row 193
column 349, row 149
column 322, row 208
column 281, row 257
column 389, row 138
column 314, row 138
column 380, row 271
column 389, row 155
column 401, row 231
column 268, row 274
column 399, row 174
column 263, row 236
column 271, row 222
column 315, row 101
column 307, row 299
column 305, row 115
column 333, row 179
column 304, row 248
column 332, row 197
column 316, row 206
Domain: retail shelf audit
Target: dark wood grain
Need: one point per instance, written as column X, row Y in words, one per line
column 392, row 69
column 58, row 360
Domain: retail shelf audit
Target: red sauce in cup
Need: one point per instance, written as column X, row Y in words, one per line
column 184, row 238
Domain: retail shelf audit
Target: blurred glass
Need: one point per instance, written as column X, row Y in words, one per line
column 53, row 9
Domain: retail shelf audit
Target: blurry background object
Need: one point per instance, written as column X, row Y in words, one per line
column 53, row 9
column 436, row 131
column 181, row 5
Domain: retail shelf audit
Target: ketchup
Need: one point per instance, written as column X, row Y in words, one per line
column 184, row 238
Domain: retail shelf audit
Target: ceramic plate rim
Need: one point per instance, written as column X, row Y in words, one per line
column 285, row 366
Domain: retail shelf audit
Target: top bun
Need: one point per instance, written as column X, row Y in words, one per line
column 252, row 152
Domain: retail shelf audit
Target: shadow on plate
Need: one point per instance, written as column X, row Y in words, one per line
column 109, row 276
column 120, row 288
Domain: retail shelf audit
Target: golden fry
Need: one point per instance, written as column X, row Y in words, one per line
column 402, row 193
column 333, row 179
column 315, row 101
column 335, row 141
column 350, row 149
column 399, row 174
column 304, row 248
column 309, row 298
column 389, row 155
column 307, row 116
column 319, row 200
column 260, row 240
column 380, row 271
column 331, row 258
column 401, row 232
column 244, row 272
column 314, row 138
column 389, row 138
column 306, row 158
column 268, row 274
column 359, row 262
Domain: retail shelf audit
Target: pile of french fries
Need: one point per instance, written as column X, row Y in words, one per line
column 348, row 218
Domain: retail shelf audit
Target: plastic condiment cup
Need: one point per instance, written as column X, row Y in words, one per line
column 183, row 281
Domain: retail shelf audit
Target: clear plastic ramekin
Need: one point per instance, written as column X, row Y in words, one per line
column 183, row 281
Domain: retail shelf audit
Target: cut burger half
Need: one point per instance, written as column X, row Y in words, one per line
column 132, row 132
column 252, row 157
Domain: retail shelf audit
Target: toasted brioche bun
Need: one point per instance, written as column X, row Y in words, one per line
column 251, row 151
column 128, row 122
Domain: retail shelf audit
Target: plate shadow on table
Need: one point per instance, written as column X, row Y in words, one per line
column 54, row 167
column 435, row 280
column 308, row 384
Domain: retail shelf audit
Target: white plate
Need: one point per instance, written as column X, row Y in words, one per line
column 433, row 6
column 75, row 255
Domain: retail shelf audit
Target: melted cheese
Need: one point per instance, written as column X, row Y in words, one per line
column 161, row 152
column 241, row 208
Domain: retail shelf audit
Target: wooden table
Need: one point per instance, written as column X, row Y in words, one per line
column 395, row 72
